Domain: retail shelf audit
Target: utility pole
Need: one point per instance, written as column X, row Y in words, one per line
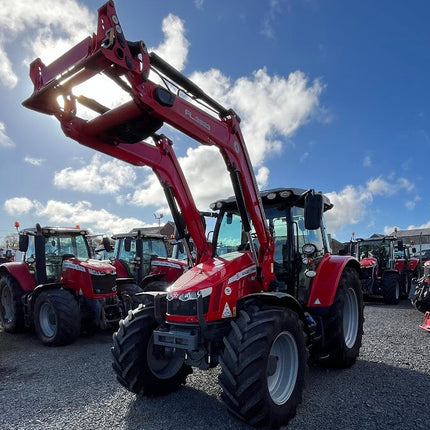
column 158, row 216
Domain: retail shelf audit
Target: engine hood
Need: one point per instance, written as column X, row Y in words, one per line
column 90, row 265
column 228, row 269
column 368, row 262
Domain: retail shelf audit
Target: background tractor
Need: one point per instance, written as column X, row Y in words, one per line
column 144, row 258
column 59, row 288
column 386, row 267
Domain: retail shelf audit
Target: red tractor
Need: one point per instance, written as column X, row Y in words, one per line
column 386, row 268
column 143, row 258
column 59, row 289
column 259, row 299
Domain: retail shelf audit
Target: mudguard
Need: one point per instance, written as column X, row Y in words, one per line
column 326, row 281
column 20, row 271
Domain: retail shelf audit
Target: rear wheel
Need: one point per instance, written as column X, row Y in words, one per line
column 11, row 307
column 263, row 365
column 57, row 318
column 139, row 365
column 343, row 326
column 390, row 286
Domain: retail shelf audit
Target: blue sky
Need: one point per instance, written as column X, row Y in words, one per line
column 333, row 95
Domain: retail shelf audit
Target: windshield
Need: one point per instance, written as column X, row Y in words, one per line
column 75, row 245
column 375, row 248
column 231, row 237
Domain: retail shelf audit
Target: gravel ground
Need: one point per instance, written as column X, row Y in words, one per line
column 73, row 387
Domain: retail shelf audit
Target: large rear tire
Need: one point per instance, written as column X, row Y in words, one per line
column 11, row 307
column 343, row 326
column 390, row 286
column 263, row 366
column 139, row 366
column 57, row 318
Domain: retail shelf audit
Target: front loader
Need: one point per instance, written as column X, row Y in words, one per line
column 260, row 298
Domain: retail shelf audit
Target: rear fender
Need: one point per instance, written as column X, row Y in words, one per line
column 20, row 271
column 326, row 281
column 30, row 299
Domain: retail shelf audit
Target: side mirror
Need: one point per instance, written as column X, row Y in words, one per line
column 127, row 244
column 23, row 242
column 313, row 211
column 106, row 244
column 8, row 253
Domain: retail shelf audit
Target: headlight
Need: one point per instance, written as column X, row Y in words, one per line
column 191, row 295
column 309, row 249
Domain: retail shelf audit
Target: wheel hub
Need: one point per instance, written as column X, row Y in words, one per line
column 282, row 368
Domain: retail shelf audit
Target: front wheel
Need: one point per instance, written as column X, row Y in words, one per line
column 57, row 318
column 343, row 326
column 140, row 366
column 11, row 307
column 263, row 365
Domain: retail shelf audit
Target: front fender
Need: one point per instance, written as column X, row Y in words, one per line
column 274, row 298
column 326, row 281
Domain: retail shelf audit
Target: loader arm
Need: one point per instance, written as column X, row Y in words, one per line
column 120, row 131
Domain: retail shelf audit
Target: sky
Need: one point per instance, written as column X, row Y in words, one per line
column 333, row 95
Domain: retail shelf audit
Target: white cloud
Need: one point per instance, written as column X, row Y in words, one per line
column 272, row 13
column 174, row 48
column 271, row 107
column 410, row 204
column 351, row 204
column 367, row 161
column 41, row 28
column 99, row 176
column 5, row 140
column 34, row 161
column 19, row 206
column 61, row 213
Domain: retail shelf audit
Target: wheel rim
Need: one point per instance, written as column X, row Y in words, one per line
column 397, row 290
column 160, row 366
column 350, row 318
column 7, row 304
column 282, row 368
column 47, row 320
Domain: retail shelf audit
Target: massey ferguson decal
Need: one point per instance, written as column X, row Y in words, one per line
column 73, row 266
column 242, row 274
column 165, row 264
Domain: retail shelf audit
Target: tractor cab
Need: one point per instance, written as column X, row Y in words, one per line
column 47, row 248
column 144, row 257
column 299, row 246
